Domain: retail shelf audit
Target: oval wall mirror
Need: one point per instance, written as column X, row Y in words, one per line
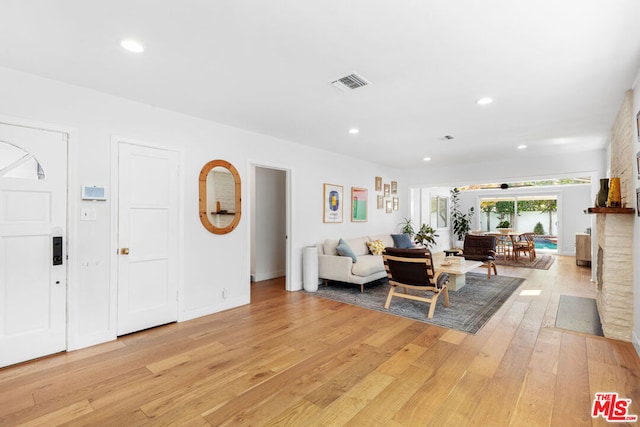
column 220, row 207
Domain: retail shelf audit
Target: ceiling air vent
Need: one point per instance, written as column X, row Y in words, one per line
column 350, row 82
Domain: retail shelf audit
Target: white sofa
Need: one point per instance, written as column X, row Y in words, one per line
column 332, row 266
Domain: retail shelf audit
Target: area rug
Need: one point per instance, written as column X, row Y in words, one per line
column 541, row 262
column 469, row 309
column 579, row 314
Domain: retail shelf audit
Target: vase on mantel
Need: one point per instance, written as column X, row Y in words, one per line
column 603, row 194
column 615, row 198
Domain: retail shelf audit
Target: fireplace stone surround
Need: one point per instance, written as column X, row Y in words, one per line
column 614, row 274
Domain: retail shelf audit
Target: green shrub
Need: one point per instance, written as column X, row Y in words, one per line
column 504, row 224
column 538, row 229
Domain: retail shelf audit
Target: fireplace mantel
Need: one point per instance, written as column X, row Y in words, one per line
column 611, row 210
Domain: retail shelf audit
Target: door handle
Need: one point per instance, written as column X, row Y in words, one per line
column 57, row 250
column 124, row 251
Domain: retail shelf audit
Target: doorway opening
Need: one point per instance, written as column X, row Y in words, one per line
column 270, row 224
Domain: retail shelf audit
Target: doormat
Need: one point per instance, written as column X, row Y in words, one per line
column 579, row 314
column 469, row 309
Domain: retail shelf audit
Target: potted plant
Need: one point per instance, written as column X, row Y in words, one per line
column 503, row 227
column 426, row 236
column 461, row 222
column 406, row 227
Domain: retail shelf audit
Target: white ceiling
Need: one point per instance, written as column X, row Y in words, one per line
column 557, row 69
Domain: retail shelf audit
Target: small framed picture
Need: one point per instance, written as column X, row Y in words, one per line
column 638, row 125
column 394, row 187
column 638, row 163
column 378, row 183
column 380, row 204
column 638, row 201
column 396, row 204
column 389, row 206
column 387, row 190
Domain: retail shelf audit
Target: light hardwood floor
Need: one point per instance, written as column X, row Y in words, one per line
column 296, row 359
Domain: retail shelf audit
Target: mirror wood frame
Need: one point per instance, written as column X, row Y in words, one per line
column 203, row 197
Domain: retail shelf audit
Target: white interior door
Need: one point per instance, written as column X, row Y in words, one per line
column 33, row 188
column 147, row 237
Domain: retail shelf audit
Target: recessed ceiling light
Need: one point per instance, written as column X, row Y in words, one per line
column 484, row 101
column 427, row 159
column 521, row 147
column 354, row 131
column 132, row 46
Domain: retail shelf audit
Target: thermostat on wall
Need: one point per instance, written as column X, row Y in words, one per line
column 93, row 192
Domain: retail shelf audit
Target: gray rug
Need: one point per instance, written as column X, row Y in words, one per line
column 469, row 309
column 579, row 314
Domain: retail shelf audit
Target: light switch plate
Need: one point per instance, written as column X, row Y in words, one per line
column 88, row 214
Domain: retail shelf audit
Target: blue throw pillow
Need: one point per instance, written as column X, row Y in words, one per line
column 402, row 241
column 344, row 249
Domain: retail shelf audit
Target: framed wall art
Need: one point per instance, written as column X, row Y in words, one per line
column 378, row 183
column 387, row 190
column 332, row 202
column 638, row 125
column 389, row 207
column 396, row 204
column 394, row 187
column 359, row 199
column 638, row 201
column 638, row 163
column 380, row 202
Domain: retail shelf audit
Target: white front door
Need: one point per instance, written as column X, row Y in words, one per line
column 33, row 216
column 147, row 237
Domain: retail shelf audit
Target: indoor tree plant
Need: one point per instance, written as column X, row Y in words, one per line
column 460, row 221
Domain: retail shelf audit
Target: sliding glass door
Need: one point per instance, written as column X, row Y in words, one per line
column 524, row 214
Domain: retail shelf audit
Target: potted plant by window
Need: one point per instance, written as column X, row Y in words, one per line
column 426, row 236
column 406, row 227
column 461, row 222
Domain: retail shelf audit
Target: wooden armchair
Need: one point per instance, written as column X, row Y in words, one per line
column 413, row 269
column 525, row 245
column 481, row 248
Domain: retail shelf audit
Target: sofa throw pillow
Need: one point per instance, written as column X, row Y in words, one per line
column 343, row 249
column 402, row 241
column 376, row 247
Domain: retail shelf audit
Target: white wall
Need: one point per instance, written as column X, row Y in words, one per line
column 211, row 262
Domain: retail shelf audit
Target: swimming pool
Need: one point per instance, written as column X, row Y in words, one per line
column 545, row 244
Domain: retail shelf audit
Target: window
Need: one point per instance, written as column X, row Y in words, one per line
column 17, row 163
